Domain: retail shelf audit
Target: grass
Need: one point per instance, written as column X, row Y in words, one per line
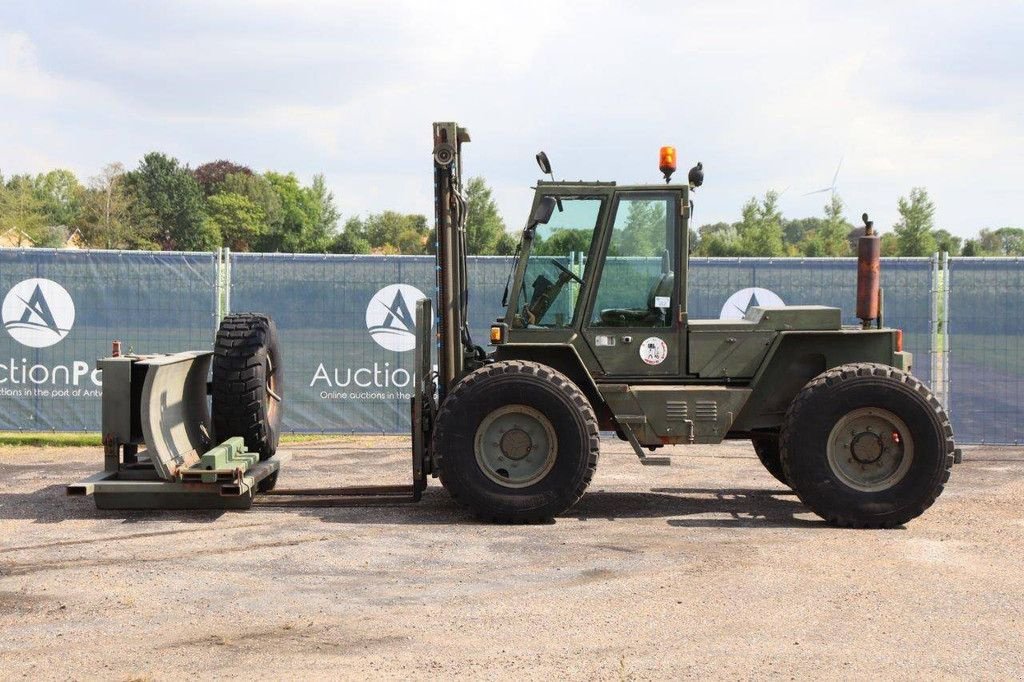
column 92, row 439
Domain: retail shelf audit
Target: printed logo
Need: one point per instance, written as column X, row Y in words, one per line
column 390, row 318
column 653, row 351
column 38, row 312
column 736, row 306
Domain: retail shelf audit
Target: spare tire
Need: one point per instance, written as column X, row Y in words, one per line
column 248, row 382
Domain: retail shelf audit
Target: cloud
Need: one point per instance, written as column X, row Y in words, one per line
column 766, row 96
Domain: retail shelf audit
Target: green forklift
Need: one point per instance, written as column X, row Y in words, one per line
column 603, row 343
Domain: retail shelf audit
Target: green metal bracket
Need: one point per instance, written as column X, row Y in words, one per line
column 226, row 461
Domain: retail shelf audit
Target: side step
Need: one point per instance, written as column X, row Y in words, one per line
column 626, row 422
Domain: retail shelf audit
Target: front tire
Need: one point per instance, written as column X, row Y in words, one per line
column 516, row 441
column 867, row 446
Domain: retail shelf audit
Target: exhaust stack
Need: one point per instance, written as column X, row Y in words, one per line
column 869, row 251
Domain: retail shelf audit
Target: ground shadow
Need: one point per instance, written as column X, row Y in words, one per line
column 52, row 504
column 744, row 507
column 740, row 507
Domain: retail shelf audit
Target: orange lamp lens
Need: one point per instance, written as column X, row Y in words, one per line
column 496, row 334
column 667, row 159
column 899, row 340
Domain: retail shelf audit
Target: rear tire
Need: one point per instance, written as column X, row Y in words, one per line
column 516, row 442
column 867, row 446
column 248, row 382
column 769, row 453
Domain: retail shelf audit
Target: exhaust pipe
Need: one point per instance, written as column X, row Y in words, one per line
column 869, row 251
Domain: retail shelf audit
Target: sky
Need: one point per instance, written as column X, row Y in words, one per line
column 766, row 95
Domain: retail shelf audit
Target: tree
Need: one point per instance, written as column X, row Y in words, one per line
column 351, row 239
column 60, row 194
column 944, row 241
column 388, row 233
column 484, row 226
column 644, row 232
column 830, row 238
column 211, row 175
column 718, row 240
column 327, row 214
column 239, row 221
column 21, row 208
column 562, row 242
column 914, row 228
column 259, row 191
column 796, row 230
column 760, row 230
column 308, row 218
column 167, row 193
column 107, row 219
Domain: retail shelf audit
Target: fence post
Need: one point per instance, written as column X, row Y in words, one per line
column 946, row 283
column 933, row 327
column 227, row 281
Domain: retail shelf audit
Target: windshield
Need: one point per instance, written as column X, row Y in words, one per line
column 555, row 264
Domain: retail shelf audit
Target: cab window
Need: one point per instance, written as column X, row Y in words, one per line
column 637, row 284
column 556, row 263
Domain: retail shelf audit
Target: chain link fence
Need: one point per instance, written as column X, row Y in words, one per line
column 348, row 370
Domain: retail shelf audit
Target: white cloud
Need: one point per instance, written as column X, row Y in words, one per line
column 766, row 96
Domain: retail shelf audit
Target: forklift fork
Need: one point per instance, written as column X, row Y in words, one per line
column 424, row 408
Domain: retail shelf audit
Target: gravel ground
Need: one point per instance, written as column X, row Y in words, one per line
column 707, row 567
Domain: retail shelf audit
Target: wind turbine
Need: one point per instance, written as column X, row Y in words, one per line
column 831, row 188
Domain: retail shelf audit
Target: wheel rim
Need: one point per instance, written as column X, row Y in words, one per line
column 870, row 449
column 273, row 401
column 515, row 446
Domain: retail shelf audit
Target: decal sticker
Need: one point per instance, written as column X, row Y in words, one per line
column 653, row 351
column 736, row 306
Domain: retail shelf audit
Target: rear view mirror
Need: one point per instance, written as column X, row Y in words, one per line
column 542, row 214
column 542, row 161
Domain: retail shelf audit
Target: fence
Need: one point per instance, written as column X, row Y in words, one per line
column 349, row 371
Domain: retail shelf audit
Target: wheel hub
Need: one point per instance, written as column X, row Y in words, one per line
column 867, row 447
column 870, row 449
column 515, row 446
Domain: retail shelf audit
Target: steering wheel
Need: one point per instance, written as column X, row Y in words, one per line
column 572, row 275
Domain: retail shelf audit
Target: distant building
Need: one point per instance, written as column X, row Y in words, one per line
column 75, row 241
column 14, row 238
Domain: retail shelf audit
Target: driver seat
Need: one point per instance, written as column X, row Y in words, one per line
column 652, row 316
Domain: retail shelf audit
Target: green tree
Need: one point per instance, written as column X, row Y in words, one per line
column 21, row 209
column 105, row 218
column 308, row 216
column 389, row 232
column 351, row 239
column 239, row 221
column 914, row 228
column 166, row 192
column 718, row 240
column 485, row 229
column 261, row 193
column 644, row 232
column 830, row 238
column 944, row 241
column 760, row 230
column 60, row 194
column 562, row 242
column 796, row 230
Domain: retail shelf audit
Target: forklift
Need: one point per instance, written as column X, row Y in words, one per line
column 590, row 344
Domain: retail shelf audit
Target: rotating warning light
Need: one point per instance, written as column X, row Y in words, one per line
column 667, row 162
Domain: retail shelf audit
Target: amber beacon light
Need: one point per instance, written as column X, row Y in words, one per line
column 667, row 162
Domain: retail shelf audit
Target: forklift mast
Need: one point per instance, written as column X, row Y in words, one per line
column 455, row 347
